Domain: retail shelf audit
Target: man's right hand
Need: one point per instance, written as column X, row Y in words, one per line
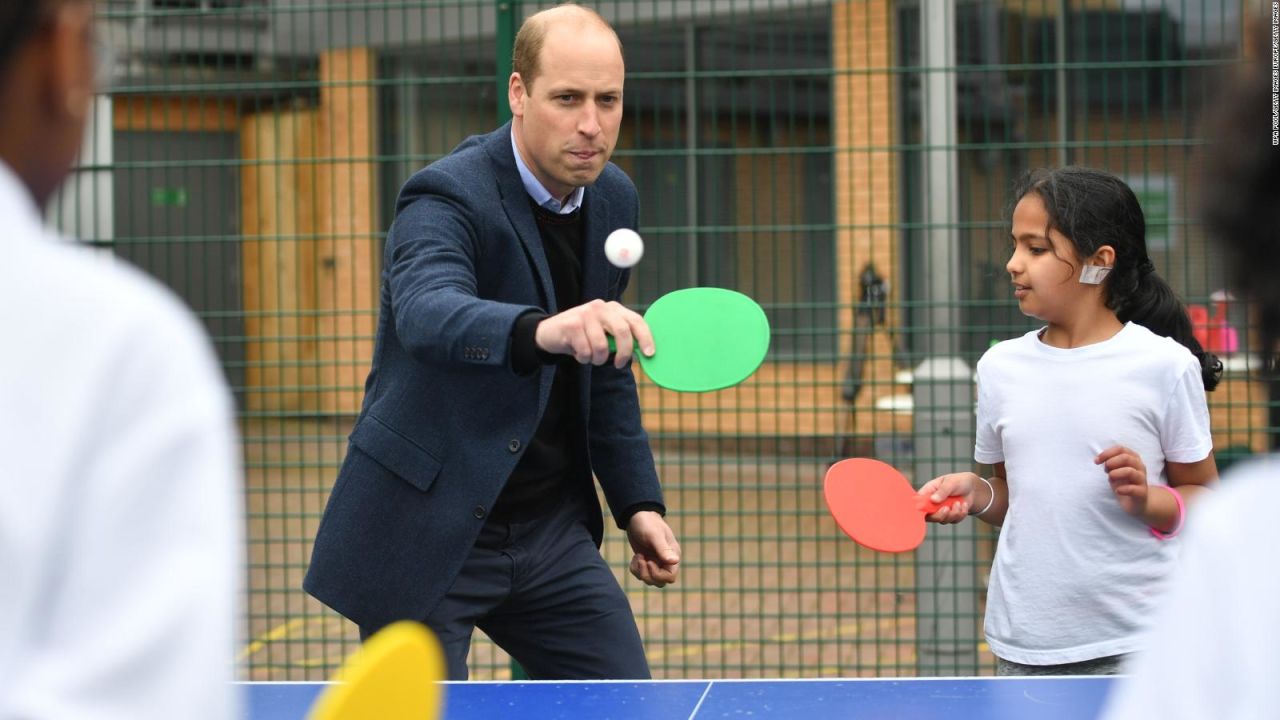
column 584, row 331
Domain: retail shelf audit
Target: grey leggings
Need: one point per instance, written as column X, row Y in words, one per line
column 1110, row 665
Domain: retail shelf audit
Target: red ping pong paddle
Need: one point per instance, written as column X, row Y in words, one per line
column 875, row 505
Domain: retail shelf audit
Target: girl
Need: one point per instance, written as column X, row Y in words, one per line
column 1096, row 428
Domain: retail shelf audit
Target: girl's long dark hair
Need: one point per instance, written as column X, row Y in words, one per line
column 1093, row 208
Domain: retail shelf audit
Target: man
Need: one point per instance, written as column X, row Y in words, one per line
column 120, row 548
column 466, row 499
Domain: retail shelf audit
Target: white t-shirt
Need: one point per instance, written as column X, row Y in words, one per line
column 1075, row 577
column 1215, row 647
column 120, row 503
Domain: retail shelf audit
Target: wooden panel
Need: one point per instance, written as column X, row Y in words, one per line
column 346, row 298
column 310, row 245
column 278, row 194
column 789, row 399
column 803, row 400
column 1238, row 414
column 866, row 166
column 190, row 114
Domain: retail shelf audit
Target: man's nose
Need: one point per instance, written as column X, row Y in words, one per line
column 589, row 122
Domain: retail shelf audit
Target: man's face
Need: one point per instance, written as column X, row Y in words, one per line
column 566, row 120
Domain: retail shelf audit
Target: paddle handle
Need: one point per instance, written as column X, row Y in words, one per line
column 928, row 507
column 613, row 346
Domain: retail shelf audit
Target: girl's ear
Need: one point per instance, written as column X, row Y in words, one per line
column 1097, row 266
column 1105, row 256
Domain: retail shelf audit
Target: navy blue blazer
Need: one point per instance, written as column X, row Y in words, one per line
column 445, row 419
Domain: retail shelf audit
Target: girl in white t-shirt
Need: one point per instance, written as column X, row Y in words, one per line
column 1096, row 428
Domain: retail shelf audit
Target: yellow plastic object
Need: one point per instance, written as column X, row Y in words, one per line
column 396, row 674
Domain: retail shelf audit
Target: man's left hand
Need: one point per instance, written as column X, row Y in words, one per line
column 657, row 554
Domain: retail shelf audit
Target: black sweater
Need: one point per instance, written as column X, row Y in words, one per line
column 554, row 454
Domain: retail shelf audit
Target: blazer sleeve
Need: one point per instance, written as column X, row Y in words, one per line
column 621, row 456
column 432, row 255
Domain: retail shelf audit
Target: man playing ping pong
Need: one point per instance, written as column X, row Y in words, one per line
column 466, row 498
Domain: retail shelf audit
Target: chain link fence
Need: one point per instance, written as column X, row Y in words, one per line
column 845, row 163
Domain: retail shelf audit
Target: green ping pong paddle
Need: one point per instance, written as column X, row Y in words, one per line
column 704, row 339
column 396, row 675
column 875, row 505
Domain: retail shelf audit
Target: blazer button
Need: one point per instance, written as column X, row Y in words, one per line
column 514, row 446
column 478, row 512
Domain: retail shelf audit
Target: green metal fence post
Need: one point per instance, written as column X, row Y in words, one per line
column 504, row 37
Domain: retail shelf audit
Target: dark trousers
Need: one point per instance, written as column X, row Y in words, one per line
column 543, row 593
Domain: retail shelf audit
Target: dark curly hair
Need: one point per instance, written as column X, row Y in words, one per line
column 1093, row 208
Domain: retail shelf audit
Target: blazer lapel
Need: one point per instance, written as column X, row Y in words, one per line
column 596, row 271
column 515, row 202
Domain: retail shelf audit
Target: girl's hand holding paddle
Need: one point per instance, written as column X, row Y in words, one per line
column 963, row 485
column 1128, row 477
column 874, row 504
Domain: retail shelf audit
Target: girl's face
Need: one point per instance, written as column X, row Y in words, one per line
column 1043, row 281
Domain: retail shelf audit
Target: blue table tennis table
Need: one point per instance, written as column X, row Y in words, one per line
column 1057, row 698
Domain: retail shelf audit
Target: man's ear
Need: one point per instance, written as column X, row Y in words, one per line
column 516, row 94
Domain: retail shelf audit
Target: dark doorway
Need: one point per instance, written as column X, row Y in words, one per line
column 177, row 217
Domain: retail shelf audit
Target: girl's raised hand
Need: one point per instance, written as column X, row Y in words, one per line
column 945, row 486
column 1128, row 477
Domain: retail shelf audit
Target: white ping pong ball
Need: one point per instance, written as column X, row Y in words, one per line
column 624, row 247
